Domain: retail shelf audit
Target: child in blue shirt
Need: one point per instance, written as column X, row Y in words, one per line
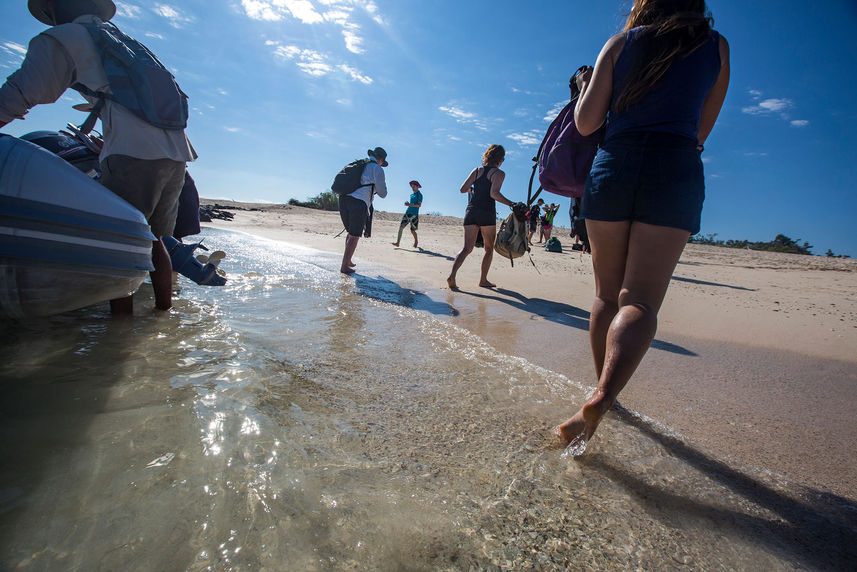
column 412, row 215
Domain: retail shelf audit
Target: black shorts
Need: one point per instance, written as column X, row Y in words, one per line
column 655, row 178
column 480, row 217
column 353, row 213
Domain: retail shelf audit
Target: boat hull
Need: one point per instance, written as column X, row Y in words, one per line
column 66, row 242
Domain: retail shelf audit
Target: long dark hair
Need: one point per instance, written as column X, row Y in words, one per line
column 673, row 28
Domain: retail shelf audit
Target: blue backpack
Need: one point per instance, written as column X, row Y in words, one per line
column 138, row 80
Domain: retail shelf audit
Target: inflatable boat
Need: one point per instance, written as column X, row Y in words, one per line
column 66, row 242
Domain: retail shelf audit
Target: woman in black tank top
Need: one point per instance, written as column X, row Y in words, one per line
column 483, row 184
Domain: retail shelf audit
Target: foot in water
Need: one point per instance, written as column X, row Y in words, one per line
column 347, row 270
column 486, row 284
column 576, row 432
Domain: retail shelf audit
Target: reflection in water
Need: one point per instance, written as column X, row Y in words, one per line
column 298, row 419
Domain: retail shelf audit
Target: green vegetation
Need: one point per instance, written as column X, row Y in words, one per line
column 781, row 243
column 326, row 201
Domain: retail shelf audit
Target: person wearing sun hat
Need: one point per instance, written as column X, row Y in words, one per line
column 142, row 163
column 412, row 215
column 355, row 209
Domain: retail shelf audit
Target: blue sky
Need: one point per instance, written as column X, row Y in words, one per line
column 285, row 92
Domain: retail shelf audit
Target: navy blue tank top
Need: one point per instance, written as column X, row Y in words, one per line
column 674, row 104
column 481, row 198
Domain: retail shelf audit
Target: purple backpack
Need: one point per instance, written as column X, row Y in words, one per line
column 566, row 156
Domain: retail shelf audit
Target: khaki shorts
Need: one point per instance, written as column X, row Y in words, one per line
column 151, row 186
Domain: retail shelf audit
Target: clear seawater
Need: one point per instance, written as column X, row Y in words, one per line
column 296, row 419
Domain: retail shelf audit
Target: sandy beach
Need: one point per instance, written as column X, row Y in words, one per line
column 754, row 359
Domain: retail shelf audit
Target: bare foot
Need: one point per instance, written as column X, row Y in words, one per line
column 452, row 284
column 416, row 245
column 347, row 270
column 486, row 284
column 574, row 433
column 395, row 244
column 352, row 264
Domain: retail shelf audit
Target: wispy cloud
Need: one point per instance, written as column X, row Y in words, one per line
column 464, row 117
column 531, row 137
column 336, row 12
column 315, row 63
column 232, row 129
column 773, row 106
column 554, row 111
column 126, row 10
column 13, row 51
column 154, row 35
column 176, row 18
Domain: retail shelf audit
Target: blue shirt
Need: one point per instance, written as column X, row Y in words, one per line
column 416, row 198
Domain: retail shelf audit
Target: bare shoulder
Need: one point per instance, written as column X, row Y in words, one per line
column 724, row 46
column 614, row 46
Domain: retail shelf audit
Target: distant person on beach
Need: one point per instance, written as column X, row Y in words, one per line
column 578, row 227
column 660, row 85
column 412, row 214
column 354, row 207
column 533, row 219
column 142, row 163
column 483, row 184
column 547, row 222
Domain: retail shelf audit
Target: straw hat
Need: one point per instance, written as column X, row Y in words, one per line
column 104, row 9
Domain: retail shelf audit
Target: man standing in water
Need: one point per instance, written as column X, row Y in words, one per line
column 412, row 215
column 142, row 163
column 354, row 207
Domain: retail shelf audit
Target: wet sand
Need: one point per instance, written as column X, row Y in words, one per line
column 754, row 358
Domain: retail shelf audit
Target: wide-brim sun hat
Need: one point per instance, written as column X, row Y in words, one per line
column 416, row 183
column 379, row 154
column 39, row 10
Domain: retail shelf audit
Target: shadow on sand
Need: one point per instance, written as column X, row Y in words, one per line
column 816, row 528
column 420, row 250
column 564, row 314
column 386, row 290
column 706, row 283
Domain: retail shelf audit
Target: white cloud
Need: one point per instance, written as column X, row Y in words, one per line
column 353, row 41
column 554, row 111
column 232, row 129
column 316, row 63
column 154, row 35
column 799, row 122
column 14, row 51
column 176, row 18
column 532, row 137
column 355, row 75
column 303, row 10
column 457, row 113
column 755, row 154
column 772, row 105
column 261, row 10
column 128, row 10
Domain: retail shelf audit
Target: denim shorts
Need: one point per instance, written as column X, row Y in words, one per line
column 654, row 178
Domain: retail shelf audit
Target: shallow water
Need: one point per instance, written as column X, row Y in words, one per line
column 297, row 419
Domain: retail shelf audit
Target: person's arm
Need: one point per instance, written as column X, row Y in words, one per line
column 714, row 100
column 497, row 178
column 45, row 73
column 380, row 182
column 468, row 183
column 597, row 90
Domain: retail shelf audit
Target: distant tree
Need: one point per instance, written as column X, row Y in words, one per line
column 326, row 201
column 781, row 243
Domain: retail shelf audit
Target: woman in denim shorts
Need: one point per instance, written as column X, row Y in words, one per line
column 660, row 85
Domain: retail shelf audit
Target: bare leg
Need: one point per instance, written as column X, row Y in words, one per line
column 489, row 233
column 162, row 276
column 470, row 232
column 399, row 238
column 416, row 239
column 122, row 306
column 652, row 254
column 350, row 247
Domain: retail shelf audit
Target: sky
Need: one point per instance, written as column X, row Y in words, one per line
column 283, row 93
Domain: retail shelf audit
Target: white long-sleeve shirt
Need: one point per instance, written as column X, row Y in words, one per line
column 373, row 173
column 64, row 55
